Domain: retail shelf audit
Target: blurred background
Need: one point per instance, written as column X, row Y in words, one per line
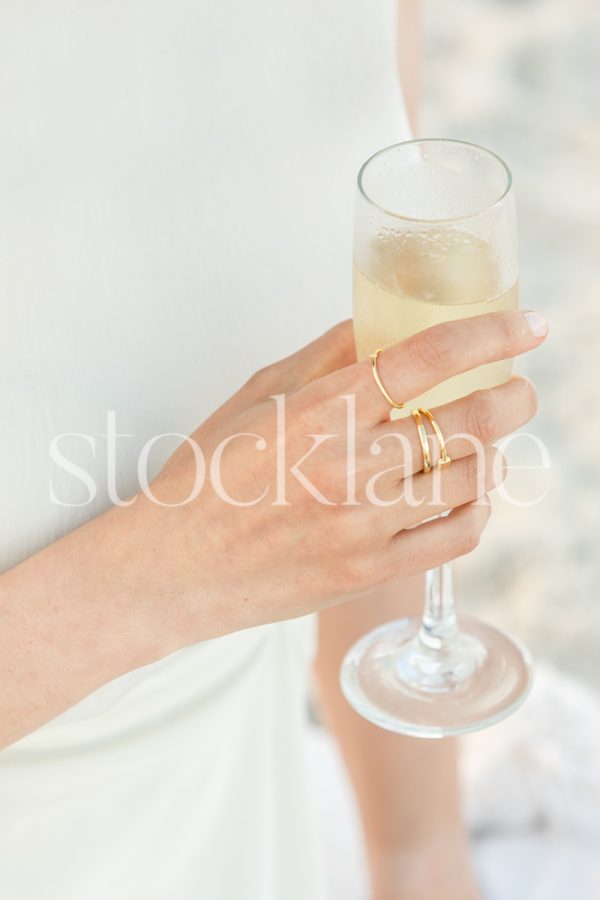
column 523, row 78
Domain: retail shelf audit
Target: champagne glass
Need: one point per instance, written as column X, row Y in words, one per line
column 435, row 240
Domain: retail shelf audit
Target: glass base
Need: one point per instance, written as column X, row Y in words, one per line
column 403, row 684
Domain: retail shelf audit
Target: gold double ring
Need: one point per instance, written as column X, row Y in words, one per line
column 444, row 459
column 379, row 382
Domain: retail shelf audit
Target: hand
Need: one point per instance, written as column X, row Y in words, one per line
column 220, row 566
column 141, row 581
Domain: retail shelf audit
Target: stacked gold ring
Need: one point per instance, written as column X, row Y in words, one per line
column 444, row 459
column 417, row 415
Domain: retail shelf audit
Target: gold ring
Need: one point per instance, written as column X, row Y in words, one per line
column 444, row 459
column 379, row 382
column 416, row 414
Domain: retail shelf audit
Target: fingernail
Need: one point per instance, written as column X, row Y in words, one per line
column 537, row 324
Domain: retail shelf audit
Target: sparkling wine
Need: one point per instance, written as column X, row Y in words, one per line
column 415, row 281
column 435, row 239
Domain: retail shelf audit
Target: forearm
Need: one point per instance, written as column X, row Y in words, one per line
column 72, row 618
column 407, row 789
column 137, row 583
column 410, row 40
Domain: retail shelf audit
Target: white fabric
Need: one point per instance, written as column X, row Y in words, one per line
column 532, row 794
column 176, row 197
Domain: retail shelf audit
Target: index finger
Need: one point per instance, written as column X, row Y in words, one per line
column 424, row 360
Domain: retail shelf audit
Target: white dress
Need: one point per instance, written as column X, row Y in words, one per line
column 176, row 197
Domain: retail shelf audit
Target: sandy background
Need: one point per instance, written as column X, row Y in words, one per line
column 523, row 77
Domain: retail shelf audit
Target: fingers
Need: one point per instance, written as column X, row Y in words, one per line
column 448, row 487
column 434, row 543
column 426, row 359
column 481, row 418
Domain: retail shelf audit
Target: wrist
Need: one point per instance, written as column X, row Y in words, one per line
column 95, row 586
column 126, row 579
column 71, row 622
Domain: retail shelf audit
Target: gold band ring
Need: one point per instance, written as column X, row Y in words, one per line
column 379, row 382
column 444, row 459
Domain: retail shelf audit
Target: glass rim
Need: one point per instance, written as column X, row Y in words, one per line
column 445, row 220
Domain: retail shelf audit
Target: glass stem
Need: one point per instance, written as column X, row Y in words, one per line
column 440, row 625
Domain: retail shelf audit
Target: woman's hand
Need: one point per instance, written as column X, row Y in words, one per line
column 250, row 550
column 141, row 581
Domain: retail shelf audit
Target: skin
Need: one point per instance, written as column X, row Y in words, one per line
column 410, row 41
column 90, row 624
column 408, row 790
column 141, row 581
